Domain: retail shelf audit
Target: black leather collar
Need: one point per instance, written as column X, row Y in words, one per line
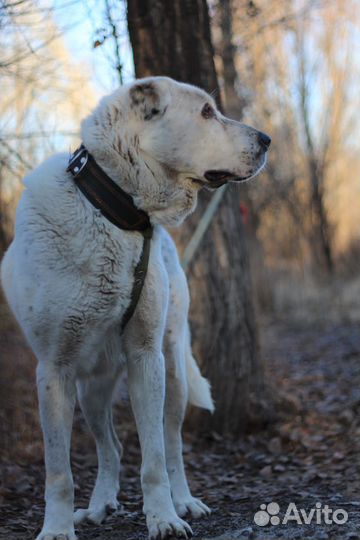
column 113, row 202
column 119, row 208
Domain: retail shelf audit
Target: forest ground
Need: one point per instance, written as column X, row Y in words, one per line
column 307, row 453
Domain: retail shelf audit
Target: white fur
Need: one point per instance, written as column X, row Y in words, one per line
column 68, row 277
column 198, row 387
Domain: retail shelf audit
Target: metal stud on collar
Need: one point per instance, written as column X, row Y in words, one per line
column 78, row 161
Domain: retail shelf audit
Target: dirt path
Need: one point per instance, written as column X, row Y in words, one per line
column 307, row 456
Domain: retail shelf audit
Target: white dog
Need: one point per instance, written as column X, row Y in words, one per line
column 68, row 277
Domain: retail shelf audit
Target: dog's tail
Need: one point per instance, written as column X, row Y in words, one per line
column 198, row 386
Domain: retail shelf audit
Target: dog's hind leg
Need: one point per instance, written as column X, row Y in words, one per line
column 177, row 351
column 95, row 396
column 175, row 405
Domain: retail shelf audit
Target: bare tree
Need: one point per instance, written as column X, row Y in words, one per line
column 297, row 73
column 316, row 163
column 173, row 38
column 39, row 110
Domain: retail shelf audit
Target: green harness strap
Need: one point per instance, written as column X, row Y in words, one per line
column 139, row 276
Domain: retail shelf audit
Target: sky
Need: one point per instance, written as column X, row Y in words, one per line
column 88, row 21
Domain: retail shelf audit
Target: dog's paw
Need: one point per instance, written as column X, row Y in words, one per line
column 95, row 514
column 44, row 535
column 160, row 528
column 193, row 507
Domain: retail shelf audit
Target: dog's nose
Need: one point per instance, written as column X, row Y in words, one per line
column 264, row 140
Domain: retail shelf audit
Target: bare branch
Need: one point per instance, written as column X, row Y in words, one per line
column 114, row 34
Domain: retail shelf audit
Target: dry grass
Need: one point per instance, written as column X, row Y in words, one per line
column 294, row 295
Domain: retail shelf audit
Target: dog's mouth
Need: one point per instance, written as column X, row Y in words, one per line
column 217, row 178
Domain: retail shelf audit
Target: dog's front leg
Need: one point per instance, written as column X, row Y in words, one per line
column 56, row 390
column 146, row 374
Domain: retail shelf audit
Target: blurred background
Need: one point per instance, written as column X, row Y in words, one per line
column 275, row 281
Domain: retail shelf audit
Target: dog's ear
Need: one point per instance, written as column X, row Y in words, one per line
column 148, row 100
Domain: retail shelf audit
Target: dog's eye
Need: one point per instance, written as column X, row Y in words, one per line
column 208, row 111
column 151, row 114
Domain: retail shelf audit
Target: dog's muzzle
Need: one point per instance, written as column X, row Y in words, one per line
column 219, row 177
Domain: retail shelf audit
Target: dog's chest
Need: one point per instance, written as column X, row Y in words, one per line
column 94, row 263
column 107, row 269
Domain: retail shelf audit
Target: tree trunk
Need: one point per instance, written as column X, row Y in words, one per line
column 4, row 220
column 320, row 219
column 234, row 104
column 173, row 39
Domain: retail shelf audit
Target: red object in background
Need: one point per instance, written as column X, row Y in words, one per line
column 245, row 212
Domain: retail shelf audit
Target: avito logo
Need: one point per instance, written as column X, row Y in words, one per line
column 268, row 514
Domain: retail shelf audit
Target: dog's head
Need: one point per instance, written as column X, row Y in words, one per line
column 171, row 140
